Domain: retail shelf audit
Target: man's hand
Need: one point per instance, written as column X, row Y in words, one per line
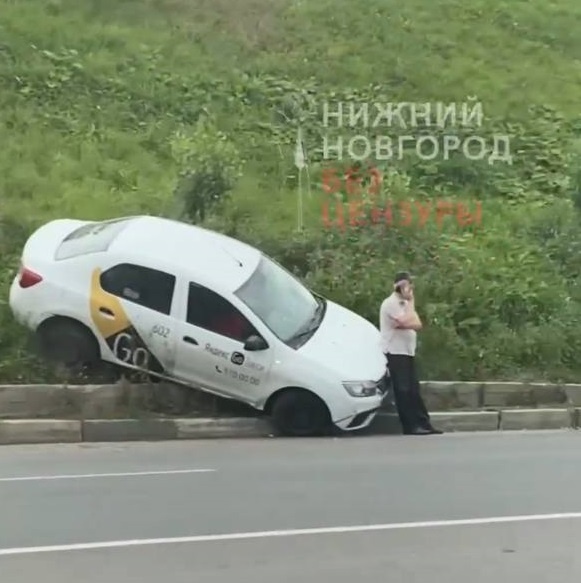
column 410, row 321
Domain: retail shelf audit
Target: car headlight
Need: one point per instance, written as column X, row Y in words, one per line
column 361, row 388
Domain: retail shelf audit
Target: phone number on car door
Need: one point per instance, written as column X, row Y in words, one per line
column 242, row 377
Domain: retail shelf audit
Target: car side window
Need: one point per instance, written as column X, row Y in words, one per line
column 209, row 310
column 147, row 287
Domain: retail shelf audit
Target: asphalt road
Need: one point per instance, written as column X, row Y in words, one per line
column 240, row 518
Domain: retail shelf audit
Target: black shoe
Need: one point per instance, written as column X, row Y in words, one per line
column 417, row 431
column 435, row 431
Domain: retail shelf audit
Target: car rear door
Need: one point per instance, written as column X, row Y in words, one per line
column 131, row 307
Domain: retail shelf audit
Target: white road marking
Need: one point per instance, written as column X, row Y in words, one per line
column 117, row 475
column 284, row 533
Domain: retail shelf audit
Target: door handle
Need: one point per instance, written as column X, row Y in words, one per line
column 190, row 340
column 107, row 312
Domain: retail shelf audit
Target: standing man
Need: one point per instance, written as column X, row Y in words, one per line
column 398, row 324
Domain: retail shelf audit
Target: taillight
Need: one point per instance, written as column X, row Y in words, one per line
column 28, row 278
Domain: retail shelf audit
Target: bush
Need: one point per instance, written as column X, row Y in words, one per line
column 210, row 166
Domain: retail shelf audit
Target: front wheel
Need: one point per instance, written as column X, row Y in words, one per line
column 298, row 413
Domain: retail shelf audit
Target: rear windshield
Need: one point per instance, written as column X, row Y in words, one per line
column 92, row 238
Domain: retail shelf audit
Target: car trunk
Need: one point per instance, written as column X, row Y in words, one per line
column 41, row 246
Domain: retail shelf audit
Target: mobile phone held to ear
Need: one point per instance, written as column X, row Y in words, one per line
column 401, row 288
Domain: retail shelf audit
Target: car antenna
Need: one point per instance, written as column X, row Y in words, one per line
column 240, row 264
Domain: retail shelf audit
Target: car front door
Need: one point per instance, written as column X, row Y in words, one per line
column 131, row 307
column 210, row 349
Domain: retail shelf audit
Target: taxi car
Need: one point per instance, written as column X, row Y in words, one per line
column 195, row 307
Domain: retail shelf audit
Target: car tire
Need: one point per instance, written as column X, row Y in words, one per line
column 299, row 413
column 69, row 344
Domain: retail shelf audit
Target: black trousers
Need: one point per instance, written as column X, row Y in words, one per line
column 406, row 389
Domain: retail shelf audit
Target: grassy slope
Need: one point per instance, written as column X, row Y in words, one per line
column 92, row 93
column 75, row 146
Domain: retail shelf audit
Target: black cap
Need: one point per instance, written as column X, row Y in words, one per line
column 403, row 276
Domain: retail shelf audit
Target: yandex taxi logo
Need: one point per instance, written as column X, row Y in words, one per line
column 115, row 327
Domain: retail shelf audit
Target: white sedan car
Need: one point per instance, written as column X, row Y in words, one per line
column 195, row 307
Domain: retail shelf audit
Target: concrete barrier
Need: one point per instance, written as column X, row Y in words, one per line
column 21, row 431
column 573, row 393
column 34, row 401
column 522, row 395
column 98, row 401
column 122, row 412
column 123, row 400
column 448, row 396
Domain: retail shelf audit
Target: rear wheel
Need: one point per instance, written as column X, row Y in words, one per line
column 299, row 413
column 69, row 344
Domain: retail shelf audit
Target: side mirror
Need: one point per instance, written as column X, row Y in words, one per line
column 254, row 343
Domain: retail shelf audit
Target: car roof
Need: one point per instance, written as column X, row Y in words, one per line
column 189, row 249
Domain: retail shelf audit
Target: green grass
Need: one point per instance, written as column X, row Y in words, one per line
column 94, row 95
column 87, row 135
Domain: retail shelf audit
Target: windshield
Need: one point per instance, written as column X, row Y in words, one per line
column 280, row 300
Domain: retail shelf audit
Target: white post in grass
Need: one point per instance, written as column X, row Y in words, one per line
column 301, row 164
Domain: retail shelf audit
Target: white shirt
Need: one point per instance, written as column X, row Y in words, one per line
column 395, row 340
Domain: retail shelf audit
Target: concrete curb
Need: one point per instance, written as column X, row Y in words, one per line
column 215, row 428
column 466, row 421
column 531, row 419
column 123, row 400
column 448, row 421
column 101, row 430
column 20, row 431
column 23, row 431
column 29, row 431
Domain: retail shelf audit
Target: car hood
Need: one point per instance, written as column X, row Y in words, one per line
column 347, row 344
